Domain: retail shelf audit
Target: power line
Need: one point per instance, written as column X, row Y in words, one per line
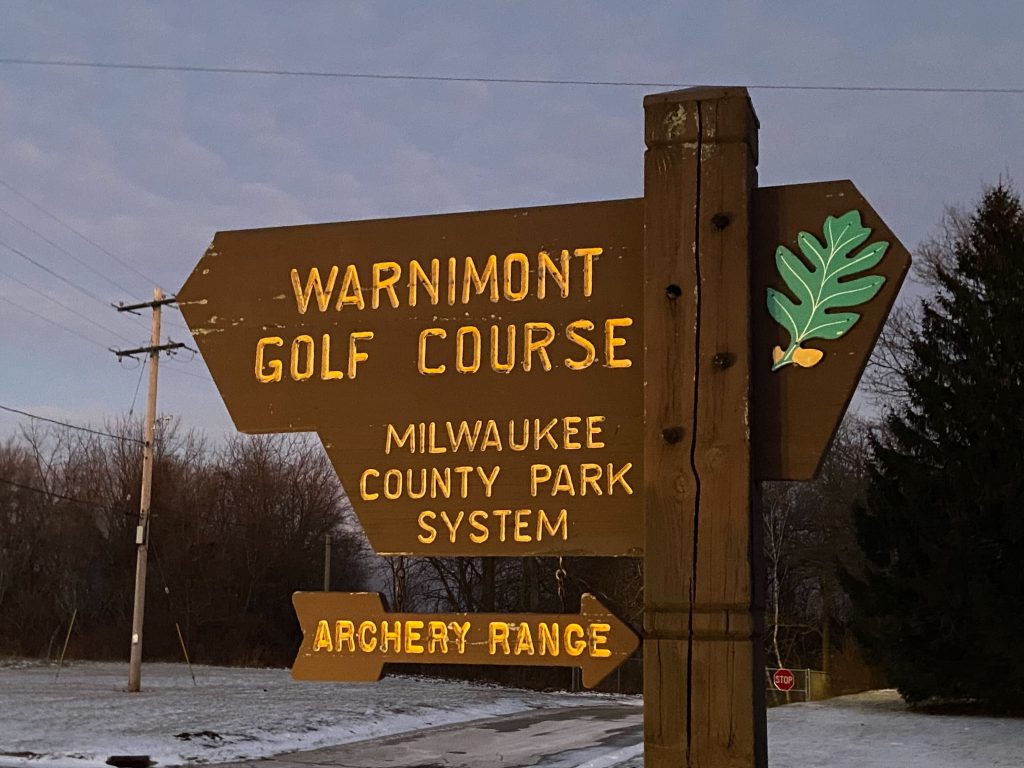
column 70, row 426
column 50, row 242
column 54, row 322
column 45, row 492
column 70, row 228
column 59, row 303
column 223, row 70
column 59, row 276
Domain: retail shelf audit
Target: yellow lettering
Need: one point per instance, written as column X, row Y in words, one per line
column 437, row 632
column 367, row 645
column 326, row 373
column 322, row 639
column 590, row 475
column 517, row 294
column 561, row 524
column 588, row 255
column 452, row 528
column 386, row 284
column 612, row 342
column 431, row 283
column 474, row 521
column 574, row 647
column 421, row 359
column 488, row 280
column 506, row 365
column 524, row 639
column 563, row 481
column 497, row 634
column 572, row 332
column 619, row 478
column 363, row 493
column 355, row 355
column 521, row 523
column 431, row 532
column 275, row 366
column 345, row 633
column 409, row 436
column 559, row 275
column 351, row 291
column 548, row 636
column 539, row 473
column 460, row 630
column 412, row 636
column 313, row 285
column 598, row 637
column 593, row 430
column 307, row 341
column 460, row 349
column 393, row 636
column 532, row 345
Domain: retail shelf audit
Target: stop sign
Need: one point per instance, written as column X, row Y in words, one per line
column 783, row 679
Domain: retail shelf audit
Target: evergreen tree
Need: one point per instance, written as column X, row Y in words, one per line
column 940, row 603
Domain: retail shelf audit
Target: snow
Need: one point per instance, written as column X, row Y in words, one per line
column 86, row 716
column 236, row 714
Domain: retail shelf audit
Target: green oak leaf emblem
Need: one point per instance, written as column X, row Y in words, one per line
column 822, row 283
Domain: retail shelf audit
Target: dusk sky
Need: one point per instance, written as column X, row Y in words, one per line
column 148, row 165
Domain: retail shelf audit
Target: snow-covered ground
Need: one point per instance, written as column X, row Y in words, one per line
column 85, row 716
column 233, row 714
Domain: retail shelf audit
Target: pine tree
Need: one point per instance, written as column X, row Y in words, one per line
column 940, row 605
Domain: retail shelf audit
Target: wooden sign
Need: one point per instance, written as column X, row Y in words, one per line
column 348, row 636
column 799, row 407
column 605, row 378
column 475, row 378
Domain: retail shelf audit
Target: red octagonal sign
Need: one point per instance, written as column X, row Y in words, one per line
column 783, row 679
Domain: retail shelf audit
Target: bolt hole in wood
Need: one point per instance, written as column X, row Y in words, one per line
column 720, row 221
column 672, row 435
column 723, row 360
column 673, row 291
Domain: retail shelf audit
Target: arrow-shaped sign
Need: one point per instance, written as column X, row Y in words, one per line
column 348, row 636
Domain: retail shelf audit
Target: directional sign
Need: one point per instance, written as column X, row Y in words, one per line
column 475, row 378
column 347, row 636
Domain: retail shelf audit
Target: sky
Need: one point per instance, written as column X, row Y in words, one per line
column 116, row 180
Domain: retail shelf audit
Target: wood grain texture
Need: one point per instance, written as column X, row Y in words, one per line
column 700, row 629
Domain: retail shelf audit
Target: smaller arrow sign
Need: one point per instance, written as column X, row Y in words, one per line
column 347, row 636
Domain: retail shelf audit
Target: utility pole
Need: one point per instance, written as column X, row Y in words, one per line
column 142, row 531
column 327, row 562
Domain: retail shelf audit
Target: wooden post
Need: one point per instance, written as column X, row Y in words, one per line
column 142, row 531
column 703, row 666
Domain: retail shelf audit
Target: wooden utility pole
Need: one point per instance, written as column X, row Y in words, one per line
column 142, row 531
column 702, row 613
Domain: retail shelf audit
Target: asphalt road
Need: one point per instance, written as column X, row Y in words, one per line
column 576, row 737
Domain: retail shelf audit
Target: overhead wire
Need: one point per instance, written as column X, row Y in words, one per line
column 100, row 432
column 227, row 70
column 48, row 241
column 52, row 494
column 86, row 238
column 60, row 303
column 55, row 323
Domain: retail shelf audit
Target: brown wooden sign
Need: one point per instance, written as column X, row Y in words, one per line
column 490, row 402
column 799, row 408
column 475, row 378
column 348, row 636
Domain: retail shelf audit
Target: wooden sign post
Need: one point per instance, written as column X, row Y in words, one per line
column 702, row 620
column 604, row 378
